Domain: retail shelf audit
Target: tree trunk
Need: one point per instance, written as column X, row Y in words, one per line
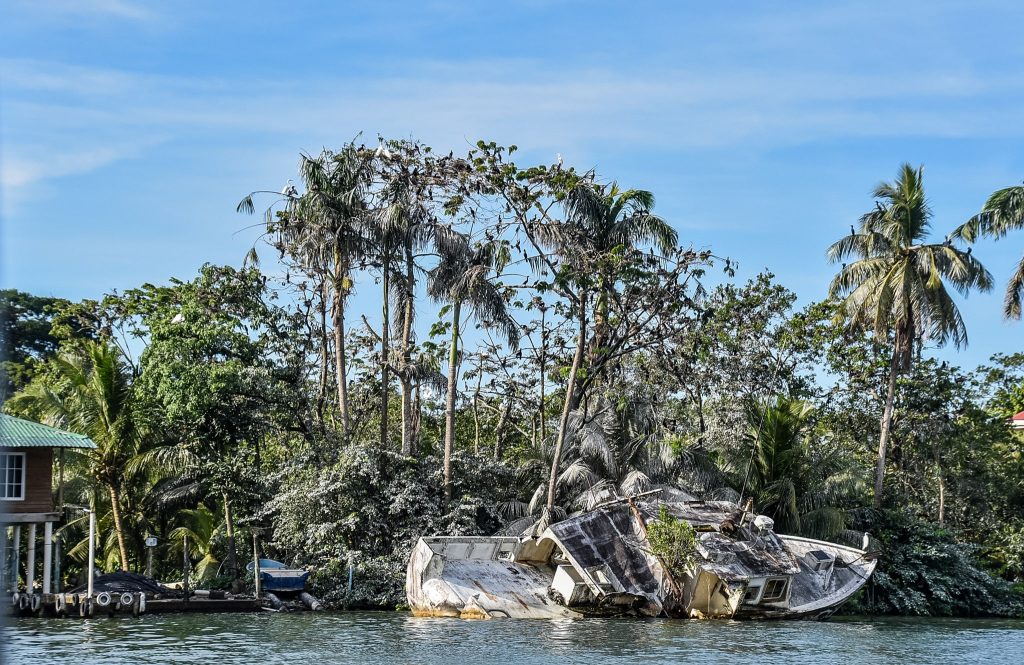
column 385, row 344
column 406, row 375
column 883, row 439
column 543, row 373
column 476, row 410
column 324, row 351
column 115, row 508
column 339, row 346
column 229, row 527
column 499, row 435
column 942, row 486
column 570, row 391
column 449, row 411
column 417, row 412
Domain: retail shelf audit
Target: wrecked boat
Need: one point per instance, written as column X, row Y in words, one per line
column 601, row 563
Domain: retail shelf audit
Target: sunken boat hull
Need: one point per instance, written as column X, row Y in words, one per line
column 599, row 563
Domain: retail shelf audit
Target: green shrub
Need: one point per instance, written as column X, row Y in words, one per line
column 674, row 542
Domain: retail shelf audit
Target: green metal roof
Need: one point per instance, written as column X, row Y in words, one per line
column 18, row 433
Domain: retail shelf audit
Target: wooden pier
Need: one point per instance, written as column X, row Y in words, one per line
column 120, row 604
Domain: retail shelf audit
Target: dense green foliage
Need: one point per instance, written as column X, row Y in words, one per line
column 459, row 345
column 674, row 542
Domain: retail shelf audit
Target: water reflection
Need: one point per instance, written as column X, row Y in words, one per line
column 368, row 637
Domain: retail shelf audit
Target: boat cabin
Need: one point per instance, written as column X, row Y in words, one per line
column 27, row 452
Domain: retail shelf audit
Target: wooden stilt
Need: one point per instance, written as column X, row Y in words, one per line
column 5, row 567
column 30, row 559
column 16, row 558
column 47, row 555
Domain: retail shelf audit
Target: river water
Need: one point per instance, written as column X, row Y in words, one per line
column 377, row 637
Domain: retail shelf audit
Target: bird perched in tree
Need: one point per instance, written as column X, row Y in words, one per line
column 866, row 543
column 852, row 232
column 290, row 190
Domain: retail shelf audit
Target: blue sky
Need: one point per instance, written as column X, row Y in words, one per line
column 129, row 130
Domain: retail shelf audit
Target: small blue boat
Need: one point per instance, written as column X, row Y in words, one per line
column 275, row 576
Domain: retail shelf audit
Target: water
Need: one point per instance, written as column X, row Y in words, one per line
column 369, row 637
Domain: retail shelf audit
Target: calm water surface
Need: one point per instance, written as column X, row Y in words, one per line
column 399, row 638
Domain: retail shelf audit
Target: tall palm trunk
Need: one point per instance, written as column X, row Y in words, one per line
column 406, row 376
column 942, row 485
column 322, row 384
column 570, row 398
column 229, row 527
column 449, row 411
column 339, row 345
column 883, row 439
column 115, row 508
column 385, row 348
column 543, row 374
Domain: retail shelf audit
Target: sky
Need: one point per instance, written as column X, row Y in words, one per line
column 129, row 130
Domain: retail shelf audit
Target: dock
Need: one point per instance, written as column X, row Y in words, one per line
column 127, row 603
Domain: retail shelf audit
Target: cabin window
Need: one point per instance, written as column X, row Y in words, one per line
column 750, row 597
column 774, row 590
column 12, row 476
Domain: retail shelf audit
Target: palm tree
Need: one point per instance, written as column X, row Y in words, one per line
column 897, row 284
column 200, row 529
column 463, row 278
column 799, row 488
column 404, row 225
column 601, row 221
column 1002, row 213
column 323, row 229
column 92, row 394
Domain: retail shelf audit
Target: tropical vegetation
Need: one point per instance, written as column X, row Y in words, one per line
column 426, row 342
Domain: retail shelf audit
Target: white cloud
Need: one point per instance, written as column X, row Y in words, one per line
column 118, row 9
column 62, row 120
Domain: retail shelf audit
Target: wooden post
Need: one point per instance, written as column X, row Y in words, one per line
column 47, row 555
column 58, row 584
column 16, row 558
column 30, row 559
column 5, row 567
column 256, row 564
column 92, row 554
column 184, row 565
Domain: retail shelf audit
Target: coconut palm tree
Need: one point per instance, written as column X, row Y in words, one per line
column 601, row 222
column 404, row 225
column 801, row 489
column 1002, row 213
column 613, row 220
column 323, row 230
column 91, row 393
column 896, row 285
column 465, row 278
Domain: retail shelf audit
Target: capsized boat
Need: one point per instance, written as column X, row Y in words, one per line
column 600, row 563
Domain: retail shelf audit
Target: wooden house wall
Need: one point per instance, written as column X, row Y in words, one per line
column 38, row 482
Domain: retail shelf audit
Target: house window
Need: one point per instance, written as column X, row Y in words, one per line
column 774, row 590
column 12, row 476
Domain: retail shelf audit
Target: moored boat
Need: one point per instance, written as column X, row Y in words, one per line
column 275, row 576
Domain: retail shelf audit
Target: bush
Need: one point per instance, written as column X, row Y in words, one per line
column 923, row 571
column 674, row 542
column 369, row 508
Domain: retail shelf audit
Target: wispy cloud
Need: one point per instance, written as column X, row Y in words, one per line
column 117, row 9
column 61, row 120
